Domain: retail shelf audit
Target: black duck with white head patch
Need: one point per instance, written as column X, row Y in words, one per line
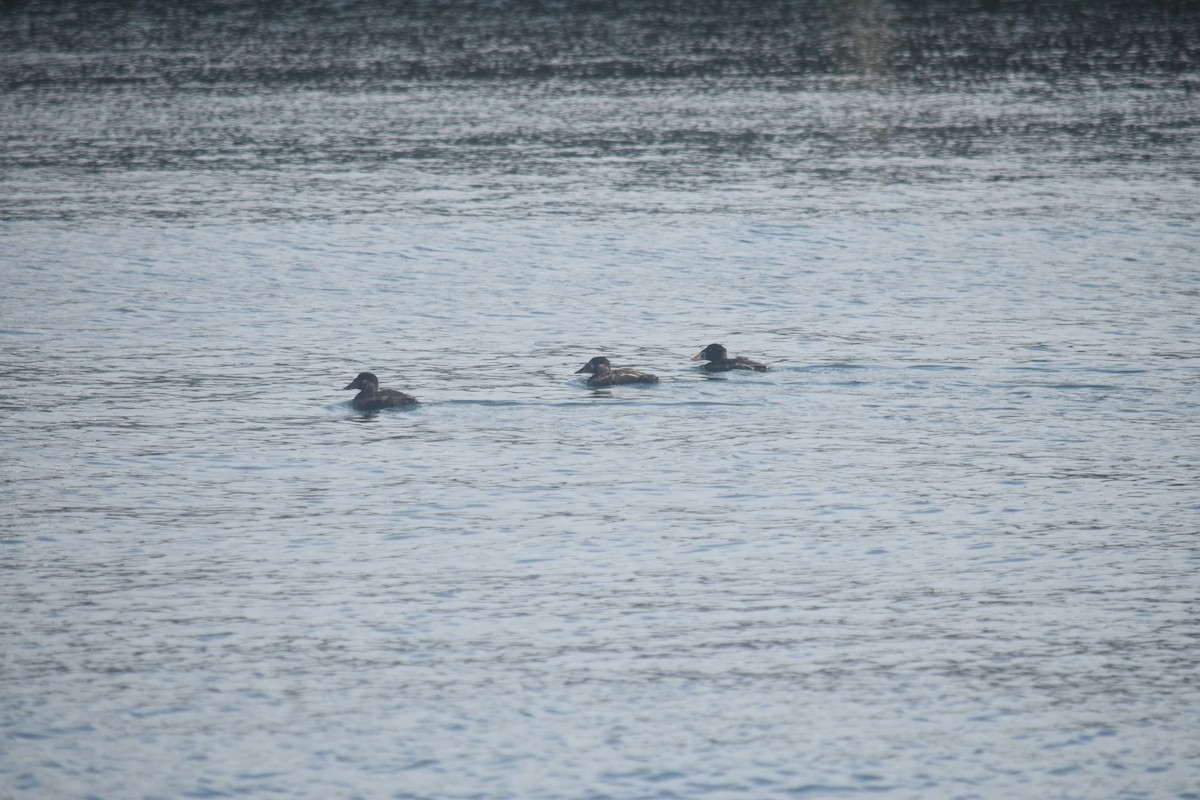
column 371, row 398
column 719, row 361
column 603, row 374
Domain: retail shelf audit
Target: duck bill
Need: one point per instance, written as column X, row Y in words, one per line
column 698, row 356
column 349, row 386
column 584, row 368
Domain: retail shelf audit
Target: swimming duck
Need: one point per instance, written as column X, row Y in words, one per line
column 603, row 374
column 371, row 398
column 719, row 361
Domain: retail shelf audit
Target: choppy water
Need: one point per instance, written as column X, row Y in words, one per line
column 947, row 547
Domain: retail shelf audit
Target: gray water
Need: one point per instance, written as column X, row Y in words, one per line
column 945, row 548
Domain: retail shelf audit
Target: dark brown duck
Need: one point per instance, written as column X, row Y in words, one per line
column 719, row 361
column 371, row 398
column 603, row 374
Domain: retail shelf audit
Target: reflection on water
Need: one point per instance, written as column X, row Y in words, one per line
column 318, row 112
column 944, row 548
column 358, row 46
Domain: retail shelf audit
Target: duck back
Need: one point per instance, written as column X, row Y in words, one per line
column 740, row 362
column 384, row 398
column 617, row 377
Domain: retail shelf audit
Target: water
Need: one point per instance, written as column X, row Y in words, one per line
column 946, row 548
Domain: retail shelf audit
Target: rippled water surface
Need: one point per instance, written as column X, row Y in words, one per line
column 945, row 548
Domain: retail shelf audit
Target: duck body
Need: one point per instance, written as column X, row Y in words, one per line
column 371, row 398
column 603, row 374
column 719, row 361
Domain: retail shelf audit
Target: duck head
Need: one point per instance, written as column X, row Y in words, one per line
column 714, row 352
column 366, row 381
column 597, row 365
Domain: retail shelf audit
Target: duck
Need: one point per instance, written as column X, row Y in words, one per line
column 603, row 374
column 719, row 361
column 371, row 398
